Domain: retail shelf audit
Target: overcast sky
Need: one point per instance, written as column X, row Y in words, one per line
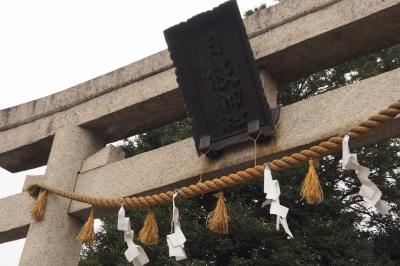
column 49, row 46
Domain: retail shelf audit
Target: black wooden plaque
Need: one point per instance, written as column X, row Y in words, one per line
column 219, row 80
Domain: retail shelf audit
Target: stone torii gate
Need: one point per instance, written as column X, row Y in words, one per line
column 68, row 130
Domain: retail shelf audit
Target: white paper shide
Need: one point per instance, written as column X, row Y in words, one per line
column 176, row 239
column 134, row 253
column 273, row 191
column 370, row 193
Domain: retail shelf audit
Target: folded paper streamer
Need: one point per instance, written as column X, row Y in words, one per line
column 134, row 253
column 273, row 191
column 176, row 239
column 369, row 191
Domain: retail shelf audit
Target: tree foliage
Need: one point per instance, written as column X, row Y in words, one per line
column 339, row 231
column 252, row 11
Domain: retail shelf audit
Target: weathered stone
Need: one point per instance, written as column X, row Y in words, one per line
column 256, row 24
column 301, row 124
column 139, row 91
column 31, row 179
column 146, row 102
column 326, row 37
column 60, row 101
column 52, row 240
column 15, row 219
column 107, row 155
column 287, row 11
column 270, row 88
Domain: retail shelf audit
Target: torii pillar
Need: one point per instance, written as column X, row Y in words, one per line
column 52, row 240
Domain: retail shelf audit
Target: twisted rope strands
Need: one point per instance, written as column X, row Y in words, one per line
column 216, row 184
column 334, row 143
column 161, row 198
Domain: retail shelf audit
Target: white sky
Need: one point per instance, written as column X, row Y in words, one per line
column 47, row 46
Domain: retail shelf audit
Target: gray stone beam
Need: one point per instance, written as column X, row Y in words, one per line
column 255, row 25
column 144, row 95
column 335, row 33
column 16, row 213
column 134, row 108
column 15, row 216
column 301, row 124
column 107, row 155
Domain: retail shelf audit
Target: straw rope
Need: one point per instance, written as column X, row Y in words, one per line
column 315, row 152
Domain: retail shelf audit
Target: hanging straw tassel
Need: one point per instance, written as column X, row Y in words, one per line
column 217, row 220
column 40, row 206
column 149, row 233
column 87, row 236
column 311, row 188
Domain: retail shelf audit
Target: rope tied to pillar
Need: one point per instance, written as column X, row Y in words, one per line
column 40, row 206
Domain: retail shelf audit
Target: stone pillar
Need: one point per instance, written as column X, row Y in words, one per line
column 52, row 242
column 270, row 88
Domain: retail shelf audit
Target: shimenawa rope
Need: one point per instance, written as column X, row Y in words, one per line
column 216, row 184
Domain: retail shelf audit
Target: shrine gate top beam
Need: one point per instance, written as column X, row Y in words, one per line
column 144, row 95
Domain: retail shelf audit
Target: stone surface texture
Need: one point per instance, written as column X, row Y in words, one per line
column 107, row 155
column 301, row 124
column 270, row 88
column 31, row 179
column 256, row 24
column 52, row 240
column 15, row 219
column 334, row 33
column 281, row 38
